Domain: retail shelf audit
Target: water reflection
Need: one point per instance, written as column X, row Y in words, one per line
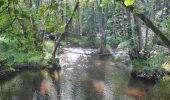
column 83, row 78
column 17, row 88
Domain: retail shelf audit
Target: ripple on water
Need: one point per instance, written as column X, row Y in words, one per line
column 83, row 77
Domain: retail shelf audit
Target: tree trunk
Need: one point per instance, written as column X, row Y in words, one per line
column 138, row 32
column 123, row 21
column 78, row 21
column 58, row 40
column 129, row 25
column 150, row 25
column 101, row 28
column 113, row 16
column 167, row 8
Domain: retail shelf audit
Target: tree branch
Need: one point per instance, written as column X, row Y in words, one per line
column 150, row 25
column 5, row 7
column 57, row 42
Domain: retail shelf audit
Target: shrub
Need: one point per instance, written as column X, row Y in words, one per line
column 151, row 66
column 112, row 41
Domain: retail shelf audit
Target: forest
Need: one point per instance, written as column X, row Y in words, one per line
column 85, row 49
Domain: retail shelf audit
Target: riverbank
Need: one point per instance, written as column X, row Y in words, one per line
column 151, row 69
column 139, row 70
column 82, row 77
column 6, row 73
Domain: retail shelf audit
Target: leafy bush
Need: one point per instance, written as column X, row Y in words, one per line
column 166, row 64
column 13, row 56
column 48, row 48
column 112, row 41
column 84, row 41
column 97, row 42
column 124, row 46
column 151, row 66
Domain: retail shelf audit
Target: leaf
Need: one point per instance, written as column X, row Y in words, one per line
column 62, row 29
column 1, row 3
column 129, row 2
column 20, row 60
column 56, row 18
column 136, row 11
column 105, row 3
column 25, row 15
column 11, row 69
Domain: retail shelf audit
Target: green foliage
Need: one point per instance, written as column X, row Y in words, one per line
column 114, row 41
column 23, row 27
column 85, row 41
column 129, row 2
column 13, row 56
column 97, row 41
column 105, row 3
column 87, row 24
column 86, row 1
column 48, row 47
column 137, row 11
column 166, row 64
column 55, row 61
column 163, row 85
column 151, row 66
column 166, row 27
column 1, row 3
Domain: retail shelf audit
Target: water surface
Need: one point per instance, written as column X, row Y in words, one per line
column 84, row 77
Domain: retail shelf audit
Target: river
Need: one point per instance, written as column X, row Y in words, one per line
column 84, row 77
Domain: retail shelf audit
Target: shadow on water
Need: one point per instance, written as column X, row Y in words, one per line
column 41, row 85
column 83, row 77
column 56, row 78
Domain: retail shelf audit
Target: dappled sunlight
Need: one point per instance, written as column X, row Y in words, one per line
column 84, row 77
column 108, row 63
column 73, row 54
column 166, row 78
column 84, row 49
column 166, row 66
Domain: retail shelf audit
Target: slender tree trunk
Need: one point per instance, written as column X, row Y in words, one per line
column 150, row 15
column 129, row 25
column 113, row 16
column 138, row 32
column 162, row 11
column 58, row 40
column 150, row 25
column 78, row 21
column 101, row 28
column 124, row 24
column 40, row 29
column 167, row 8
column 133, row 52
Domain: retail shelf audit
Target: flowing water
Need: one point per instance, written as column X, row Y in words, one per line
column 84, row 77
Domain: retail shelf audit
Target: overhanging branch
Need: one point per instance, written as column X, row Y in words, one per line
column 150, row 25
column 57, row 42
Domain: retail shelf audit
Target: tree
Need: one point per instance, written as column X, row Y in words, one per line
column 150, row 25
